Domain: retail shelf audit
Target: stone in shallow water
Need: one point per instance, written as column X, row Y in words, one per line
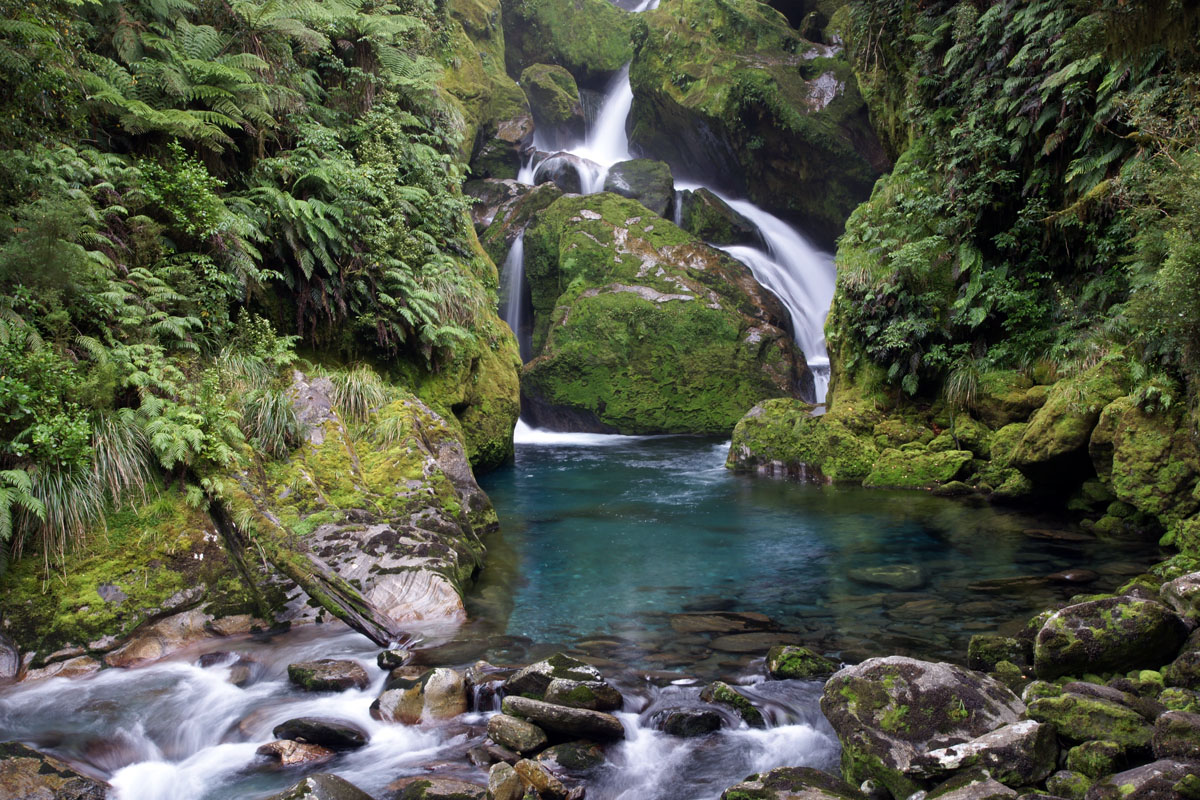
column 596, row 695
column 328, row 675
column 753, row 642
column 721, row 622
column 687, row 722
column 535, row 679
column 726, row 695
column 336, row 734
column 788, row 661
column 289, row 753
column 572, row 758
column 420, row 787
column 575, row 723
column 902, row 577
column 29, row 775
column 793, row 783
column 323, row 786
column 516, row 734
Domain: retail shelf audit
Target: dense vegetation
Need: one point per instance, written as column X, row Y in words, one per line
column 189, row 192
column 1038, row 215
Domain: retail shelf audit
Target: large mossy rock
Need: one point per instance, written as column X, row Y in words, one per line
column 792, row 783
column 1021, row 754
column 782, row 437
column 888, row 712
column 590, row 38
column 641, row 328
column 1113, row 634
column 702, row 213
column 565, row 722
column 26, row 774
column 726, row 91
column 554, row 101
column 917, row 469
column 322, row 786
column 645, row 180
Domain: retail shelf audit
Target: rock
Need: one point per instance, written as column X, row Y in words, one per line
column 1184, row 671
column 792, row 783
column 572, row 758
column 10, row 660
column 323, row 786
column 393, row 659
column 534, row 680
column 435, row 694
column 504, row 783
column 641, row 328
column 917, row 469
column 1079, row 719
column 590, row 38
column 1148, row 708
column 1154, row 781
column 290, row 753
column 328, row 675
column 554, row 102
column 1181, row 594
column 792, row 662
column 781, row 438
column 1177, row 735
column 901, row 577
column 26, row 774
column 645, row 180
column 1176, row 699
column 574, row 723
column 420, row 787
column 596, row 695
column 332, row 733
column 703, row 214
column 516, row 734
column 567, row 171
column 1113, row 634
column 726, row 695
column 1095, row 758
column 1019, row 754
column 687, row 722
column 1072, row 785
column 538, row 778
column 888, row 711
column 985, row 651
column 753, row 642
column 721, row 622
column 445, row 694
column 1006, row 397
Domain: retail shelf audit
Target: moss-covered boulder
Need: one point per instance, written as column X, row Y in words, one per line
column 889, row 711
column 1079, row 718
column 645, row 180
column 554, row 101
column 1005, row 397
column 565, row 722
column 322, row 786
column 1020, row 754
column 723, row 694
column 741, row 100
column 1096, row 758
column 1113, row 634
column 590, row 38
column 703, row 214
column 795, row 662
column 792, row 783
column 434, row 787
column 535, row 679
column 516, row 734
column 641, row 328
column 1165, row 779
column 985, row 651
column 1177, row 735
column 29, row 775
column 782, row 437
column 917, row 469
column 328, row 675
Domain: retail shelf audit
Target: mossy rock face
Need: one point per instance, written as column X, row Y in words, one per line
column 1004, row 398
column 985, row 651
column 731, row 91
column 590, row 38
column 790, row 661
column 792, row 783
column 889, row 711
column 509, row 212
column 554, row 101
column 641, row 328
column 1021, row 754
column 1096, row 758
column 1053, row 451
column 707, row 216
column 915, row 469
column 723, row 694
column 898, row 431
column 535, row 679
column 1165, row 779
column 645, row 180
column 1079, row 718
column 781, row 437
column 1112, row 634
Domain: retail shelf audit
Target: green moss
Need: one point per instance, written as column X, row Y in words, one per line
column 1095, row 759
column 1081, row 719
column 913, row 469
column 553, row 95
column 590, row 38
column 783, row 432
column 799, row 663
column 724, row 694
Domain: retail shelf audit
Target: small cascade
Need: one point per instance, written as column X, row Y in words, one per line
column 513, row 292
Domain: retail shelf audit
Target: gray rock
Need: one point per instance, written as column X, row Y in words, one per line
column 572, row 758
column 596, row 695
column 793, row 783
column 645, row 180
column 565, row 171
column 323, row 786
column 26, row 774
column 889, row 711
column 537, row 777
column 504, row 783
column 422, row 787
column 1154, row 781
column 516, row 734
column 336, row 734
column 573, row 723
column 974, row 785
column 1020, row 754
column 328, row 675
column 687, row 722
column 901, row 577
column 1177, row 735
column 1114, row 634
column 534, row 680
column 1183, row 595
column 724, row 694
column 703, row 214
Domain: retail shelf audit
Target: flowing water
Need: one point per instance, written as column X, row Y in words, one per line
column 515, row 302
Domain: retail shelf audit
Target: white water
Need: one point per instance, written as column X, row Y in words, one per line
column 512, row 280
column 524, row 434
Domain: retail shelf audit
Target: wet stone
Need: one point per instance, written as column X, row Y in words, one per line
column 420, row 787
column 332, row 733
column 687, row 722
column 902, row 577
column 721, row 622
column 290, row 753
column 754, row 642
column 572, row 758
column 516, row 734
column 323, row 786
column 574, row 723
column 328, row 675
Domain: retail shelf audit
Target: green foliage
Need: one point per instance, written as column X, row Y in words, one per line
column 357, row 391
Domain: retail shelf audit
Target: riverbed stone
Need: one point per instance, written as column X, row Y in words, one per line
column 536, row 777
column 888, row 711
column 687, row 722
column 1095, row 758
column 421, row 787
column 322, row 786
column 721, row 622
column 799, row 663
column 901, row 577
column 534, row 680
column 792, row 783
column 435, row 694
column 1183, row 595
column 504, row 783
column 291, row 753
column 645, row 180
column 1068, row 784
column 335, row 734
column 724, row 694
column 1177, row 735
column 1019, row 754
column 26, row 774
column 1079, row 719
column 328, row 675
column 1113, row 634
column 596, row 695
column 393, row 659
column 974, row 784
column 573, row 723
column 985, row 651
column 516, row 734
column 572, row 758
column 760, row 642
column 707, row 216
column 1158, row 780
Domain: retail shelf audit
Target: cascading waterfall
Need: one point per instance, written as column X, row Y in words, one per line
column 512, row 280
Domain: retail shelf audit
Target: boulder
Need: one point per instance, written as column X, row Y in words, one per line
column 572, row 758
column 641, row 328
column 900, row 577
column 572, row 723
column 1019, row 754
column 889, row 711
column 1078, row 718
column 781, row 438
column 26, row 774
column 536, row 777
column 794, row 662
column 1068, row 784
column 569, row 172
column 290, row 753
column 687, row 722
column 322, row 786
column 1184, row 671
column 334, row 734
column 724, row 694
column 554, row 102
column 435, row 694
column 1155, row 781
column 1113, row 634
column 535, row 679
column 645, row 180
column 516, row 734
column 596, row 695
column 917, row 469
column 985, row 651
column 590, row 38
column 703, row 214
column 1095, row 758
column 971, row 785
column 1183, row 595
column 420, row 787
column 792, row 783
column 1146, row 706
column 504, row 783
column 1006, row 397
column 393, row 659
column 1177, row 735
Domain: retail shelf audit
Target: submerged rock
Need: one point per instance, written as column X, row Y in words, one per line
column 901, row 577
column 1112, row 634
column 328, row 675
column 793, row 783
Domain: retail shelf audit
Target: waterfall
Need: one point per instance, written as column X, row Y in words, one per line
column 512, row 287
